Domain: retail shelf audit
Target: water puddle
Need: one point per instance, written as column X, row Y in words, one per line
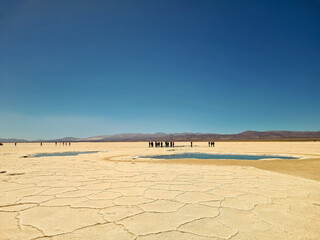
column 217, row 156
column 62, row 154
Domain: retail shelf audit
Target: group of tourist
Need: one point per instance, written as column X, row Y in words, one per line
column 160, row 144
column 171, row 144
column 63, row 143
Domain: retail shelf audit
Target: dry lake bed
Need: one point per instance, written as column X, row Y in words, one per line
column 110, row 192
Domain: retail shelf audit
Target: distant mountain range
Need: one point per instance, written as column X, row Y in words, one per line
column 244, row 136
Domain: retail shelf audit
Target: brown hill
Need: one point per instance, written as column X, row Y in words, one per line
column 244, row 136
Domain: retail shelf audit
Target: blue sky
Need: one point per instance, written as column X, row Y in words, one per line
column 84, row 68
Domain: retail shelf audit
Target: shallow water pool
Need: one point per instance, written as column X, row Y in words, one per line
column 217, row 156
column 61, row 154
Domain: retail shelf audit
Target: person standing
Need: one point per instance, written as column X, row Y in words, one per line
column 191, row 144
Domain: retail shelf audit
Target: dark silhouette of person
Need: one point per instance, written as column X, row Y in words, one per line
column 191, row 144
column 41, row 144
column 15, row 144
column 161, row 144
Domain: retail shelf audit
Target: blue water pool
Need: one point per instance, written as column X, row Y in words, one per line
column 217, row 156
column 60, row 154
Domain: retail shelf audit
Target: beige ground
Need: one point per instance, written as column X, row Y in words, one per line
column 88, row 197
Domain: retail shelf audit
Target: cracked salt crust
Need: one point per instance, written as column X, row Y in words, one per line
column 73, row 198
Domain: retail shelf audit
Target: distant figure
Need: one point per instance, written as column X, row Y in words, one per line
column 56, row 143
column 69, row 143
column 161, row 144
column 212, row 144
column 15, row 144
column 191, row 144
column 41, row 144
column 209, row 144
column 172, row 144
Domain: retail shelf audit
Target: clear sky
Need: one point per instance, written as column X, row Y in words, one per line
column 85, row 68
